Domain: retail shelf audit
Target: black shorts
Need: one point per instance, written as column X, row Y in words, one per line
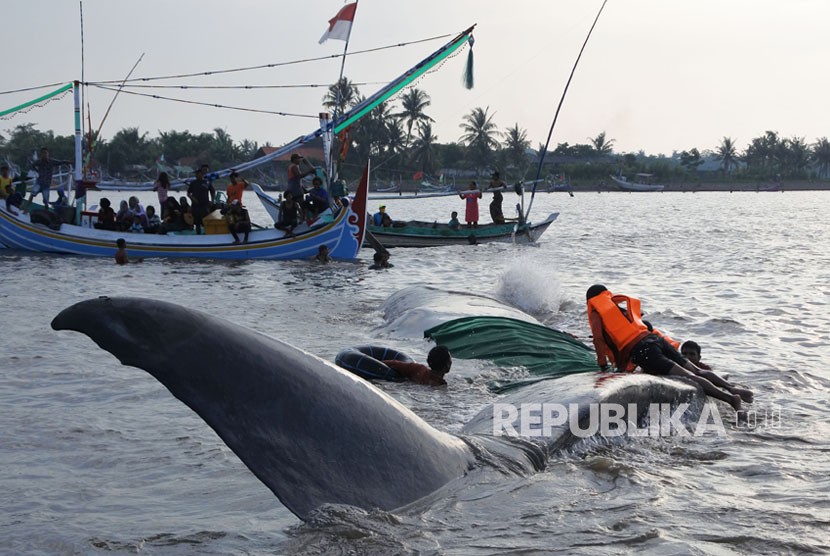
column 655, row 355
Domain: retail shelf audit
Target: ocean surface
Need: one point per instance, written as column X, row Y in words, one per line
column 99, row 458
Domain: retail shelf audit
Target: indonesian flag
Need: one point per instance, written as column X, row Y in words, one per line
column 340, row 25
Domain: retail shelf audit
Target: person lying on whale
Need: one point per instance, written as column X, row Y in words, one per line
column 622, row 337
column 439, row 361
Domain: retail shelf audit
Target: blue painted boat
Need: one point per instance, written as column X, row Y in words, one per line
column 342, row 232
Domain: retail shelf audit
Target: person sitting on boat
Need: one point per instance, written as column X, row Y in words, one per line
column 290, row 214
column 472, row 196
column 691, row 351
column 380, row 218
column 295, row 176
column 235, row 188
column 439, row 361
column 138, row 212
column 153, row 221
column 238, row 221
column 623, row 336
column 7, row 191
column 496, row 213
column 454, row 224
column 339, row 190
column 106, row 216
column 187, row 212
column 162, row 188
column 123, row 218
column 317, row 200
column 45, row 168
column 173, row 220
column 201, row 194
column 381, row 261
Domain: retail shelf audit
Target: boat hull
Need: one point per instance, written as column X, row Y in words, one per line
column 429, row 234
column 342, row 234
column 626, row 185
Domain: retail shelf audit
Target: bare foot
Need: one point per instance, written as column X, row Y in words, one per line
column 746, row 395
column 736, row 402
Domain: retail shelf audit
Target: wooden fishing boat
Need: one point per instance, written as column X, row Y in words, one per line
column 340, row 228
column 341, row 231
column 644, row 185
column 414, row 233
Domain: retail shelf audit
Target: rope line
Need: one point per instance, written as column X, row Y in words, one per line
column 300, row 86
column 276, row 64
column 213, row 105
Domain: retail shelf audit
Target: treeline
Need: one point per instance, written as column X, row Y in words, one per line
column 400, row 140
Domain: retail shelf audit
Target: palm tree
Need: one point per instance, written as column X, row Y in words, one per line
column 602, row 145
column 798, row 156
column 727, row 153
column 413, row 103
column 821, row 156
column 480, row 135
column 341, row 96
column 423, row 149
column 516, row 144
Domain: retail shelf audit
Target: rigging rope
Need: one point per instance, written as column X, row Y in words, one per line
column 241, row 109
column 276, row 64
column 302, row 86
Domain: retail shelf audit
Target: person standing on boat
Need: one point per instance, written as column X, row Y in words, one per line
column 295, row 175
column 472, row 196
column 235, row 188
column 162, row 187
column 623, row 337
column 45, row 168
column 201, row 194
column 498, row 184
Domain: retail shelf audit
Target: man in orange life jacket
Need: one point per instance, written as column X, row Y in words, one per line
column 622, row 337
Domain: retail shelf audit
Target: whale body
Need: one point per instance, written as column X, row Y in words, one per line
column 316, row 434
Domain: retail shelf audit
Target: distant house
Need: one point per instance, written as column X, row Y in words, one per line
column 312, row 152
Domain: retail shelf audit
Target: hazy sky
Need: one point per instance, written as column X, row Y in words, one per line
column 658, row 75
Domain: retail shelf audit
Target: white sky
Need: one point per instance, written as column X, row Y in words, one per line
column 657, row 75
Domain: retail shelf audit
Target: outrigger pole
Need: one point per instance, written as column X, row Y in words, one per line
column 558, row 108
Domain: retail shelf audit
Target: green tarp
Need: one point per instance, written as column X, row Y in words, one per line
column 544, row 352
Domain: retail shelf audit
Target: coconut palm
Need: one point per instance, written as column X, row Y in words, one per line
column 413, row 103
column 423, row 148
column 821, row 156
column 602, row 144
column 516, row 144
column 341, row 96
column 727, row 153
column 480, row 135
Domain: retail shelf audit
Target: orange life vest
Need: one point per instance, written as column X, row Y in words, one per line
column 668, row 338
column 621, row 328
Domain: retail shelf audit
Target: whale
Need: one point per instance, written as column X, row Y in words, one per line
column 316, row 434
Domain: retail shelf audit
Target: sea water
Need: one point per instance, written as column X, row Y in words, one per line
column 99, row 458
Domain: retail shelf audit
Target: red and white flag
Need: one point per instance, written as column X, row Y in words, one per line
column 340, row 25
